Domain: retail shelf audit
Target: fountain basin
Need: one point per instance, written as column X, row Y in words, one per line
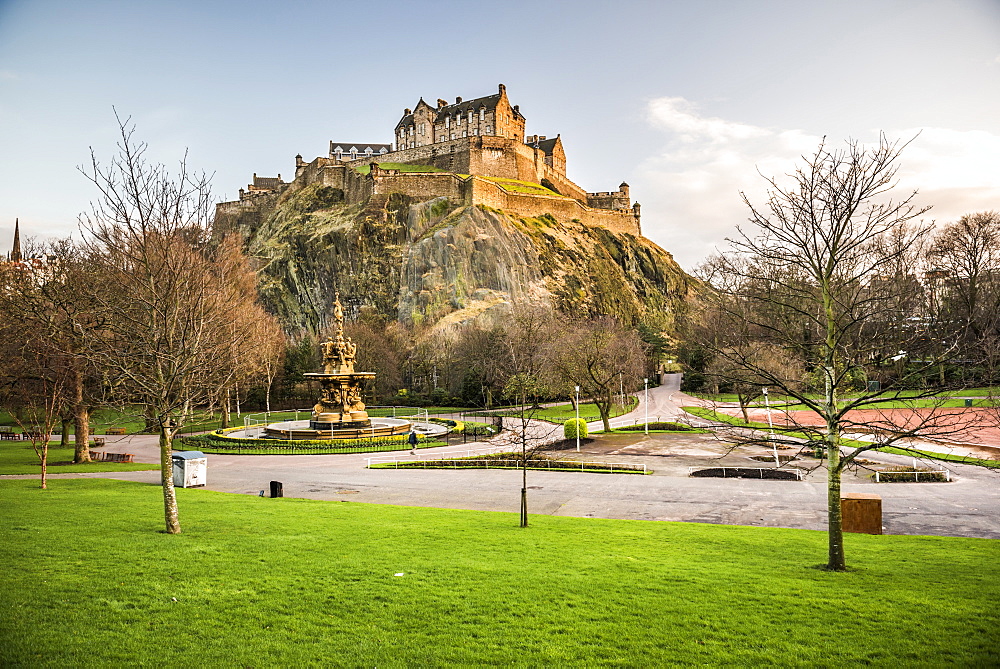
column 310, row 429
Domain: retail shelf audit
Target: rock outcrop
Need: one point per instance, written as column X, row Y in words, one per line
column 436, row 264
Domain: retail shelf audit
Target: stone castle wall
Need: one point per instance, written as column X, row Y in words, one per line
column 493, row 195
column 422, row 186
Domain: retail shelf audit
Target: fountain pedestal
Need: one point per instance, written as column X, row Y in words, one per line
column 339, row 412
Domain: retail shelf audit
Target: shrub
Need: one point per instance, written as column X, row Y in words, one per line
column 904, row 474
column 663, row 425
column 575, row 427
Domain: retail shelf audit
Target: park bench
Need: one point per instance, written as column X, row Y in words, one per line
column 98, row 442
column 116, row 430
column 111, row 457
column 10, row 436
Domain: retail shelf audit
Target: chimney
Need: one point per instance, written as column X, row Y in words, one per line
column 458, row 100
column 442, row 103
column 503, row 89
column 407, row 112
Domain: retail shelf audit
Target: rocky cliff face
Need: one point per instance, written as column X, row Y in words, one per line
column 430, row 263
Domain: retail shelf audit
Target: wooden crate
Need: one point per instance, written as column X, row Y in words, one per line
column 862, row 512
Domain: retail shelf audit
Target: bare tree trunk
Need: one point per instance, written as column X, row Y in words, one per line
column 744, row 400
column 81, row 424
column 524, row 471
column 267, row 390
column 604, row 407
column 173, row 522
column 835, row 527
column 45, row 463
column 64, row 437
column 225, row 410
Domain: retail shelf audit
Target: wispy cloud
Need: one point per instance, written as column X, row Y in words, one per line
column 8, row 75
column 693, row 183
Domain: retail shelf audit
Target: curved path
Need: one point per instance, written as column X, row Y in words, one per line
column 970, row 506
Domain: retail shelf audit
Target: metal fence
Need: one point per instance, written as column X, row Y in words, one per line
column 486, row 463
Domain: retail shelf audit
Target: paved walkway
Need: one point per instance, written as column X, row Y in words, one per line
column 970, row 506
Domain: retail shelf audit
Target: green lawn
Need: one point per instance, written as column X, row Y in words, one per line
column 563, row 412
column 402, row 167
column 102, row 419
column 90, row 581
column 17, row 457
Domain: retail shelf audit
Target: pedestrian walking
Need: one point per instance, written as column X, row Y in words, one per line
column 412, row 439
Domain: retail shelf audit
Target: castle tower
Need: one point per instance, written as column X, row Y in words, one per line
column 15, row 251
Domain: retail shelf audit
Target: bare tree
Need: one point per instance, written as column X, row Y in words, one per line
column 826, row 273
column 964, row 273
column 165, row 296
column 597, row 355
column 54, row 313
column 523, row 362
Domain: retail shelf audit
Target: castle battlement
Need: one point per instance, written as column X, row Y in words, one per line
column 482, row 137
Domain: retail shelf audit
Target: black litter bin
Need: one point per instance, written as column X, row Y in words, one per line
column 276, row 489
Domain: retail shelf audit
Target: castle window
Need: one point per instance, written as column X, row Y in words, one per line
column 475, row 131
column 464, row 133
column 488, row 131
column 482, row 114
column 453, row 135
column 470, row 116
column 447, row 121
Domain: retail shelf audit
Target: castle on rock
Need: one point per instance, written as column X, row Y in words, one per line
column 472, row 152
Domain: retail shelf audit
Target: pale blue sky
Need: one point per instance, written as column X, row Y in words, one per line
column 684, row 100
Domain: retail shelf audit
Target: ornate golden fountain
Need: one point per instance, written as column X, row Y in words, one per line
column 339, row 413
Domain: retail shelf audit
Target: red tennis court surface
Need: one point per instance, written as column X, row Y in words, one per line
column 973, row 427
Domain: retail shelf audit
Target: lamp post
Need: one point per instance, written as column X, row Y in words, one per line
column 770, row 426
column 645, row 403
column 577, row 419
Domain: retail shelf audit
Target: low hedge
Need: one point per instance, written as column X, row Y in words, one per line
column 905, row 474
column 661, row 426
column 217, row 442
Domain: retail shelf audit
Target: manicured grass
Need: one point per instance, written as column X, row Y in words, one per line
column 518, row 186
column 946, row 457
column 131, row 421
column 17, row 457
column 90, row 581
column 563, row 412
column 402, row 167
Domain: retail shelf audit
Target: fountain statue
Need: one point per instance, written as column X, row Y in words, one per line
column 339, row 412
column 339, row 404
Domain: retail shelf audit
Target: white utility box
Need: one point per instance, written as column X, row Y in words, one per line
column 190, row 469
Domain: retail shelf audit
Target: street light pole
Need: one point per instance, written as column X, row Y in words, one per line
column 645, row 402
column 770, row 426
column 577, row 419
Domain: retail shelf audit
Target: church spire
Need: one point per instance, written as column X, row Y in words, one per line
column 15, row 251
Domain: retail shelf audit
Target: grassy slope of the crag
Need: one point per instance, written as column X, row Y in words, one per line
column 424, row 262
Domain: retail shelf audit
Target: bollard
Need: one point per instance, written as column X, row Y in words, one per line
column 276, row 489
